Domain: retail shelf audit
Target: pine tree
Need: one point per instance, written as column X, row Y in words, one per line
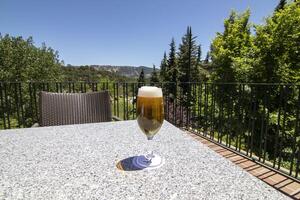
column 206, row 61
column 172, row 70
column 141, row 79
column 154, row 77
column 199, row 54
column 280, row 5
column 163, row 68
column 187, row 58
column 187, row 64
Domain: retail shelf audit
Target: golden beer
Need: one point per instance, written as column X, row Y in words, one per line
column 150, row 117
column 150, row 111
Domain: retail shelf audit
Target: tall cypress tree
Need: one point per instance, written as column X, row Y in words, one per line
column 141, row 79
column 280, row 5
column 199, row 54
column 187, row 63
column 206, row 61
column 172, row 70
column 164, row 68
column 154, row 77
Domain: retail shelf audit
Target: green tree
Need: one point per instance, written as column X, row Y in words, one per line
column 280, row 5
column 277, row 47
column 141, row 80
column 154, row 77
column 187, row 63
column 231, row 51
column 172, row 71
column 21, row 61
column 163, row 74
column 206, row 60
column 199, row 54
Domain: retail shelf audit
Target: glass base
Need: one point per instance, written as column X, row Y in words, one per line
column 142, row 162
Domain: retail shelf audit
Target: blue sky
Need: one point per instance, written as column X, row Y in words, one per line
column 120, row 32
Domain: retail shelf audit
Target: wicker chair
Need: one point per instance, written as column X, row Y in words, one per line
column 74, row 108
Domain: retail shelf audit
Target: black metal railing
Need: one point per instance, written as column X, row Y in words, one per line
column 257, row 120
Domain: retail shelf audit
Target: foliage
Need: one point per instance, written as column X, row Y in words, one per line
column 199, row 54
column 141, row 80
column 164, row 69
column 206, row 60
column 187, row 58
column 21, row 60
column 90, row 74
column 280, row 5
column 277, row 47
column 154, row 77
column 172, row 71
column 231, row 50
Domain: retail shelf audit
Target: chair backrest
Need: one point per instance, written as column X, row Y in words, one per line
column 74, row 108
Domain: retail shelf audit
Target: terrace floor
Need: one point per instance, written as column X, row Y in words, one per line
column 278, row 181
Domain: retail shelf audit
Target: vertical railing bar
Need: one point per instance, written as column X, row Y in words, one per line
column 278, row 127
column 114, row 101
column 7, row 104
column 31, row 102
column 47, row 87
column 180, row 106
column 93, row 86
column 175, row 103
column 283, row 126
column 194, row 107
column 60, row 87
column 117, row 87
column 17, row 103
column 124, row 103
column 237, row 116
column 262, row 126
column 56, row 87
column 2, row 105
column 242, row 133
column 132, row 100
column 253, row 120
column 127, row 113
column 220, row 116
column 267, row 123
column 298, row 162
column 35, row 102
column 230, row 119
column 164, row 99
column 249, row 120
column 199, row 106
column 81, row 87
column 73, row 87
column 293, row 155
column 167, row 100
column 212, row 112
column 205, row 109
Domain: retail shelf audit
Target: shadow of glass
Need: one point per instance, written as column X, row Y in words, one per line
column 127, row 164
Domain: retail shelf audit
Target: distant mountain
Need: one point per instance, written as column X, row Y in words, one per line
column 127, row 71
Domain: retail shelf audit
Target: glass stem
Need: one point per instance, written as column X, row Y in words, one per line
column 150, row 155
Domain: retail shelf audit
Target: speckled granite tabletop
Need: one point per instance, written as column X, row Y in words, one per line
column 80, row 162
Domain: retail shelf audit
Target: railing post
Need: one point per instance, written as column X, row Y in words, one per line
column 2, row 105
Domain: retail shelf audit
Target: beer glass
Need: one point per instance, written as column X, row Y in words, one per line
column 150, row 117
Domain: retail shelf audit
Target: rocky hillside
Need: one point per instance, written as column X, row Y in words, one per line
column 127, row 71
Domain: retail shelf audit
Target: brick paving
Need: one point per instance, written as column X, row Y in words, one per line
column 278, row 181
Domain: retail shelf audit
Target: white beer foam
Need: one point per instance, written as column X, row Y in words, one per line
column 150, row 91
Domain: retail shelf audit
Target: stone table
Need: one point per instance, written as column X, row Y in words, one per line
column 81, row 162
